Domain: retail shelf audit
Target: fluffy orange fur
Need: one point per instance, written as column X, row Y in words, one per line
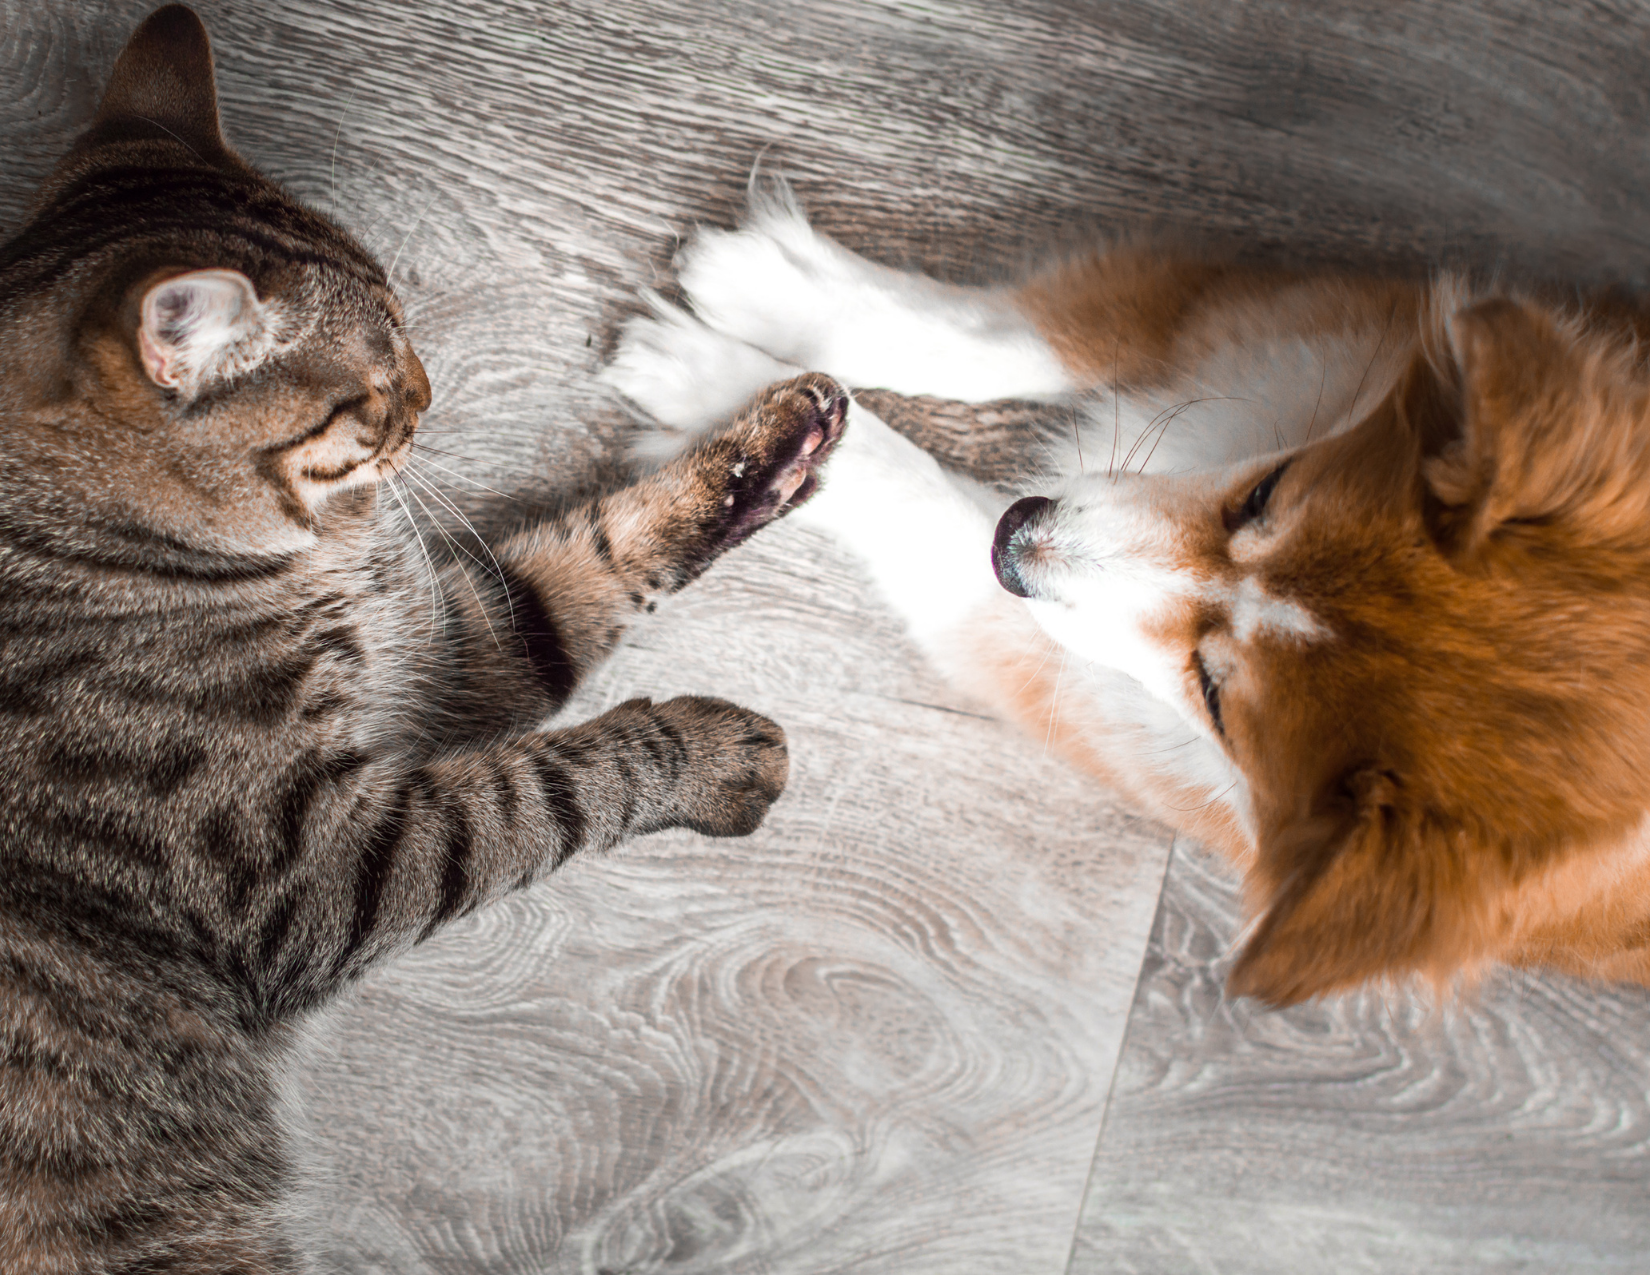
column 1463, row 775
column 1360, row 596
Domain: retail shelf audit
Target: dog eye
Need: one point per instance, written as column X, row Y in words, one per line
column 1211, row 692
column 1255, row 504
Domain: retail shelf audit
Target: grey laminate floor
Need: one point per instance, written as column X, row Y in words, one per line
column 951, row 1010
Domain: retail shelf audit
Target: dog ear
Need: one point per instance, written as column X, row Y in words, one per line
column 1537, row 440
column 1364, row 888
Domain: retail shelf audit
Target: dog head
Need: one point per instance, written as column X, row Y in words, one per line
column 1423, row 643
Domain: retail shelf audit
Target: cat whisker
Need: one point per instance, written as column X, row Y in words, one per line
column 448, row 504
column 417, row 221
column 447, row 469
column 337, row 133
column 497, row 570
column 438, row 600
column 426, row 432
column 441, row 531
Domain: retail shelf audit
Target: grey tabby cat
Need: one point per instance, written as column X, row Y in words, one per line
column 243, row 757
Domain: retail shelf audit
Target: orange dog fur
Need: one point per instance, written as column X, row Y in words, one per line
column 1360, row 597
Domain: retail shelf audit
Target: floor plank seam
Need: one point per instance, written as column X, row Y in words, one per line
column 1122, row 1047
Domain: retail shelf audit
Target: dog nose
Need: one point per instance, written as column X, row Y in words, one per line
column 1004, row 554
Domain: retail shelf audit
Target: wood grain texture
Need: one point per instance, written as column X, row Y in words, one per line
column 1505, row 1132
column 879, row 1035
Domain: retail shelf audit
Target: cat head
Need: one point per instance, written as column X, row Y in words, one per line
column 190, row 360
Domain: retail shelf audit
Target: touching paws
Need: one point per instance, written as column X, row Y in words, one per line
column 736, row 765
column 766, row 463
column 765, row 299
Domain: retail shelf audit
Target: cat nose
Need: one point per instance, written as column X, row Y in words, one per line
column 1009, row 542
column 417, row 383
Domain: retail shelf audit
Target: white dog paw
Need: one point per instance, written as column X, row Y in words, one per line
column 775, row 283
column 684, row 375
column 779, row 285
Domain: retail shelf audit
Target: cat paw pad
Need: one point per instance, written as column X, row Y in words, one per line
column 770, row 457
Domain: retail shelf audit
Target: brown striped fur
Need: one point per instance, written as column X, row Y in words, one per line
column 246, row 755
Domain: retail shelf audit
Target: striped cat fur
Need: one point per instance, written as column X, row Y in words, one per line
column 246, row 753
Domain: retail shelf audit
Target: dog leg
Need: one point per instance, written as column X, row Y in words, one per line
column 925, row 537
column 685, row 375
column 779, row 285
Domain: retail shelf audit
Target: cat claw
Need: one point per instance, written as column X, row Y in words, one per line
column 813, row 440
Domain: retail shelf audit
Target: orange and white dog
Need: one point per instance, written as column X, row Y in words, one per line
column 1368, row 608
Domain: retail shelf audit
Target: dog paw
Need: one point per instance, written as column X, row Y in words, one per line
column 780, row 286
column 683, row 374
column 735, row 768
column 775, row 283
column 766, row 463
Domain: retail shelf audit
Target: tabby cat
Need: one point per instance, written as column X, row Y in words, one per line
column 245, row 754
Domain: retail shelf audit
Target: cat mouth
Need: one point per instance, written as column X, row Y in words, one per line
column 395, row 451
column 394, row 460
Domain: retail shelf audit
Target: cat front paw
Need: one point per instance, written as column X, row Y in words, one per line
column 685, row 375
column 736, row 765
column 767, row 462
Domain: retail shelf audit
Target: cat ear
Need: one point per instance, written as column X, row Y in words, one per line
column 163, row 80
column 200, row 327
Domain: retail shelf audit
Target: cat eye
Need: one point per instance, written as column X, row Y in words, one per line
column 1254, row 505
column 1211, row 692
column 326, row 422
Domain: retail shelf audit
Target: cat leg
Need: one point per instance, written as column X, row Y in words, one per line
column 577, row 581
column 347, row 857
column 375, row 851
column 324, row 865
column 778, row 285
column 925, row 534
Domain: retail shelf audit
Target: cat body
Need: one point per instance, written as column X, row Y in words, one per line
column 253, row 740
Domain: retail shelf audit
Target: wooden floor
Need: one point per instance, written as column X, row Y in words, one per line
column 951, row 1010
